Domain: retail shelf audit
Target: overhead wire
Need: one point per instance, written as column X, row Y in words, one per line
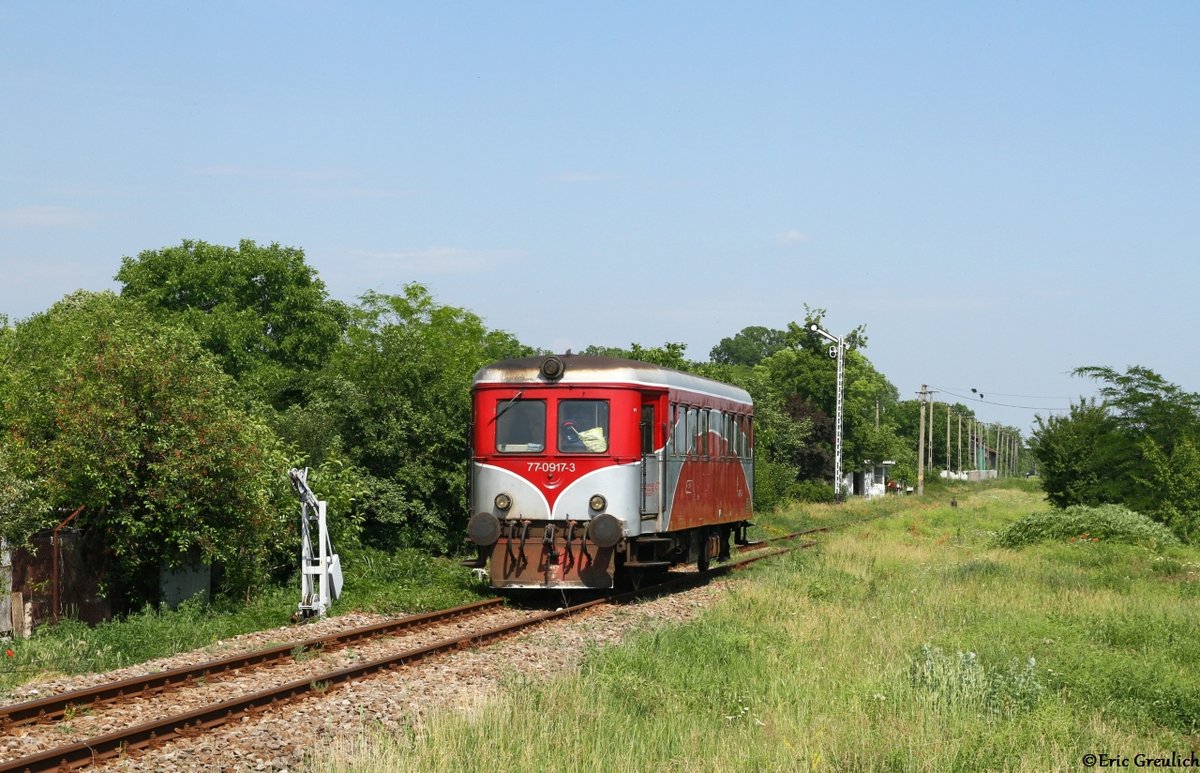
column 977, row 398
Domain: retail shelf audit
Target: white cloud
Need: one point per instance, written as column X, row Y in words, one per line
column 47, row 217
column 792, row 236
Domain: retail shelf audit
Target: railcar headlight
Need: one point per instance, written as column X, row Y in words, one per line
column 553, row 368
column 597, row 503
column 503, row 502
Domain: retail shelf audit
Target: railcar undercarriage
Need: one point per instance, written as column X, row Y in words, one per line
column 586, row 554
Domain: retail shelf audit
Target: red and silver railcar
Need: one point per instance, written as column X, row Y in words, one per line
column 586, row 468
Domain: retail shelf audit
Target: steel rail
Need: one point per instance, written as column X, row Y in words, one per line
column 56, row 706
column 759, row 544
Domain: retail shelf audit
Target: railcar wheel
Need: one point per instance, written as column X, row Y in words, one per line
column 636, row 577
column 703, row 561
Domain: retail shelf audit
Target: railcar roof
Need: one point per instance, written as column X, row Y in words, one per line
column 587, row 369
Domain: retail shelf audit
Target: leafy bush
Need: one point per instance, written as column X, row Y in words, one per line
column 774, row 484
column 1104, row 522
column 813, row 491
column 405, row 580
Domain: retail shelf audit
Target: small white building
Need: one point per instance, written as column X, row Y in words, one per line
column 871, row 481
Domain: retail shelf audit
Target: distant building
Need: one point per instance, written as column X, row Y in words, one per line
column 871, row 481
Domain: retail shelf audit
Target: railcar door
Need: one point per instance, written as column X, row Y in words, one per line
column 652, row 459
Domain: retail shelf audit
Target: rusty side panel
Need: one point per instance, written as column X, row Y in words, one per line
column 532, row 562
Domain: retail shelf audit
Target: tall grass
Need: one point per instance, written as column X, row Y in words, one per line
column 907, row 643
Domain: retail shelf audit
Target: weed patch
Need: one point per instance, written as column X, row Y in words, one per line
column 976, row 569
column 960, row 681
column 1082, row 524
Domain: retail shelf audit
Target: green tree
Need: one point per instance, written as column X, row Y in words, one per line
column 669, row 355
column 1143, row 406
column 750, row 346
column 23, row 507
column 805, row 373
column 261, row 310
column 1176, row 479
column 1076, row 455
column 106, row 407
column 782, row 443
column 398, row 392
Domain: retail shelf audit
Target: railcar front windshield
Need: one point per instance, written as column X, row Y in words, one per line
column 521, row 426
column 583, row 426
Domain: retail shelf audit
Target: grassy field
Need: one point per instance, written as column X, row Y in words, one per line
column 905, row 643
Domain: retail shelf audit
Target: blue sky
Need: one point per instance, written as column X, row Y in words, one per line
column 1000, row 192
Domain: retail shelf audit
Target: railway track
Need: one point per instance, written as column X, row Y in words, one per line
column 164, row 729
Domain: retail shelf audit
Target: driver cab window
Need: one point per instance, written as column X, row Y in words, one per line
column 583, row 426
column 521, row 426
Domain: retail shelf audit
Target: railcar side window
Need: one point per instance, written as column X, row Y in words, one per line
column 583, row 426
column 521, row 426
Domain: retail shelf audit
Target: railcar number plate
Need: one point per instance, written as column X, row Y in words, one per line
column 551, row 466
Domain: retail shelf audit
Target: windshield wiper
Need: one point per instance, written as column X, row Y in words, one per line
column 508, row 405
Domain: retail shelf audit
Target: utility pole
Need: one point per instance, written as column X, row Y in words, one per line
column 947, row 441
column 974, row 439
column 921, row 447
column 959, row 443
column 932, row 406
column 971, row 441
